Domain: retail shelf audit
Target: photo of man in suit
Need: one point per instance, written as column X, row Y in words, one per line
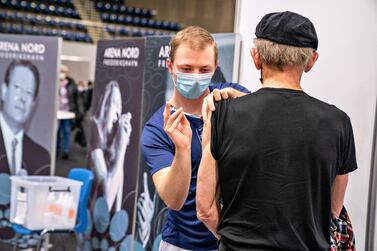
column 19, row 154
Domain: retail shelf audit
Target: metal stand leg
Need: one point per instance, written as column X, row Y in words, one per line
column 15, row 243
column 42, row 235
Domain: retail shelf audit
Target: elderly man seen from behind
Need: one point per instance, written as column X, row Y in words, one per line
column 278, row 158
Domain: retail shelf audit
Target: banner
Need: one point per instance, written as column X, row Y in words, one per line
column 28, row 73
column 229, row 45
column 158, row 88
column 113, row 153
column 150, row 215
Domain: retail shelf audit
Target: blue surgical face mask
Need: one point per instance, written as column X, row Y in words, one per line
column 192, row 86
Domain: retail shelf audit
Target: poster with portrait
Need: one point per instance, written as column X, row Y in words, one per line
column 150, row 209
column 158, row 87
column 28, row 73
column 113, row 152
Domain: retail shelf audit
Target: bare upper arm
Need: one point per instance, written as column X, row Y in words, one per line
column 338, row 192
column 158, row 179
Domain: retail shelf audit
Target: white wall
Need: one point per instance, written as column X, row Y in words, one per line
column 80, row 59
column 345, row 74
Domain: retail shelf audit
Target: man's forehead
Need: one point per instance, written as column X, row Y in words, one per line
column 185, row 54
column 193, row 64
column 192, row 48
column 23, row 75
column 22, row 72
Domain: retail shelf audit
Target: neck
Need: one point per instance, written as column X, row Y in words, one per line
column 191, row 106
column 289, row 78
column 15, row 127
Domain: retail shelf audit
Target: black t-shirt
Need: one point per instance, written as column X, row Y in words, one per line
column 278, row 152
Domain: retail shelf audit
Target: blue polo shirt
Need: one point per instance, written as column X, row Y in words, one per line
column 182, row 229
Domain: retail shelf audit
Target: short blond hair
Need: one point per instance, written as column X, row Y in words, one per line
column 195, row 37
column 281, row 55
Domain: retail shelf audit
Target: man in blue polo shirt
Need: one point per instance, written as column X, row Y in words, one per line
column 171, row 139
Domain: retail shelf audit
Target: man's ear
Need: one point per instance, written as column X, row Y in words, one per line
column 311, row 62
column 4, row 89
column 256, row 58
column 33, row 103
column 169, row 64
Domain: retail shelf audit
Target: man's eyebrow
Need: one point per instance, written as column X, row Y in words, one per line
column 189, row 65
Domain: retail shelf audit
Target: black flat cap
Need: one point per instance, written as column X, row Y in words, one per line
column 288, row 28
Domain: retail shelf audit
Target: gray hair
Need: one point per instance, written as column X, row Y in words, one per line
column 281, row 55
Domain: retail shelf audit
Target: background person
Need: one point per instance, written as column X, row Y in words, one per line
column 82, row 104
column 283, row 156
column 89, row 95
column 67, row 103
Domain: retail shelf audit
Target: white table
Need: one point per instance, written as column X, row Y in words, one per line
column 65, row 115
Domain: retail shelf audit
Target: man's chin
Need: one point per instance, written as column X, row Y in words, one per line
column 17, row 122
column 20, row 122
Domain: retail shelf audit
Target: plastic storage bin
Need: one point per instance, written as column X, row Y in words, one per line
column 44, row 202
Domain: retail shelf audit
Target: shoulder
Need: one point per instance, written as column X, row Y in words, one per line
column 244, row 102
column 95, row 135
column 37, row 149
column 328, row 109
column 230, row 85
column 1, row 135
column 153, row 129
column 36, row 160
column 93, row 125
column 157, row 117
